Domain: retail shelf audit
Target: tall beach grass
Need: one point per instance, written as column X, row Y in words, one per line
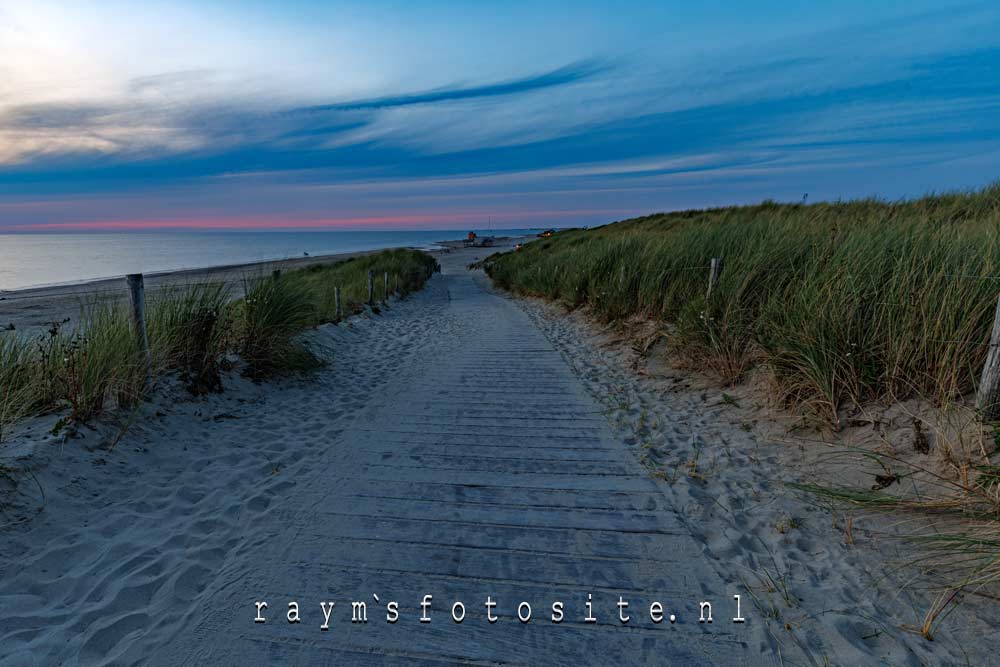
column 95, row 365
column 843, row 303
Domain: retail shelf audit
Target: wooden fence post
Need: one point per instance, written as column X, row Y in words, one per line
column 371, row 288
column 137, row 296
column 396, row 291
column 338, row 312
column 988, row 396
column 714, row 271
column 386, row 291
column 276, row 274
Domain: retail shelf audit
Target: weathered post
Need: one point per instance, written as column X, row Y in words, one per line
column 371, row 288
column 137, row 297
column 988, row 396
column 338, row 311
column 714, row 271
column 276, row 274
column 385, row 291
column 396, row 291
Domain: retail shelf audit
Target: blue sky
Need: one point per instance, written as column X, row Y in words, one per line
column 415, row 114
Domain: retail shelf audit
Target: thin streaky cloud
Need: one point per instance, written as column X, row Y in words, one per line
column 558, row 77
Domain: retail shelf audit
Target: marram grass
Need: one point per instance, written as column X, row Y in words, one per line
column 844, row 303
column 95, row 365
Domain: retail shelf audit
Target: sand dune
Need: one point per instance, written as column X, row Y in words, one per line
column 464, row 445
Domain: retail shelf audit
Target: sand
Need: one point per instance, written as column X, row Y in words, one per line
column 33, row 310
column 462, row 444
column 825, row 591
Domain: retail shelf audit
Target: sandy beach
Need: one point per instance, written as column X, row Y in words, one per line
column 462, row 444
column 33, row 310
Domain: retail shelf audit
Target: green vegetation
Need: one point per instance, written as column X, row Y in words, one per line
column 188, row 331
column 407, row 269
column 17, row 381
column 843, row 303
column 97, row 365
column 269, row 316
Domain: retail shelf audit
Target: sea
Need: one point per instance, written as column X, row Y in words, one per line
column 41, row 259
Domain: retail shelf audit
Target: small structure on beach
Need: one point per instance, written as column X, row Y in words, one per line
column 473, row 241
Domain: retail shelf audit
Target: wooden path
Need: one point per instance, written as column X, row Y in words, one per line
column 484, row 471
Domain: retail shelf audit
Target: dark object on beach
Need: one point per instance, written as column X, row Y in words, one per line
column 10, row 327
column 473, row 241
column 884, row 481
column 546, row 234
column 920, row 442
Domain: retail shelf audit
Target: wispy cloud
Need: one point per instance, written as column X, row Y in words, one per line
column 558, row 77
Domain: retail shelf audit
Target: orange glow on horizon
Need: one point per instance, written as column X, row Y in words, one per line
column 274, row 223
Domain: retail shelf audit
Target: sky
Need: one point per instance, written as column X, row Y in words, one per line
column 445, row 115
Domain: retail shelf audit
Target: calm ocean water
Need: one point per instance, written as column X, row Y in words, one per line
column 29, row 260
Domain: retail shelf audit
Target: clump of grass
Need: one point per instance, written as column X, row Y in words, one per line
column 270, row 315
column 187, row 330
column 101, row 363
column 17, row 381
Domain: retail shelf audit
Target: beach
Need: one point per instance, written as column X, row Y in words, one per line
column 33, row 310
column 461, row 444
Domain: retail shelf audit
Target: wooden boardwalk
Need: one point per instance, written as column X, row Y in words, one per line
column 481, row 470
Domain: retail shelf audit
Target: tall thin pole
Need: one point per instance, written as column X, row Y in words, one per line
column 137, row 297
column 714, row 271
column 988, row 396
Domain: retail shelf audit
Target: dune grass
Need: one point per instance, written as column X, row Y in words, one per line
column 844, row 303
column 274, row 310
column 17, row 381
column 188, row 329
column 268, row 317
column 841, row 305
column 96, row 365
column 408, row 271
